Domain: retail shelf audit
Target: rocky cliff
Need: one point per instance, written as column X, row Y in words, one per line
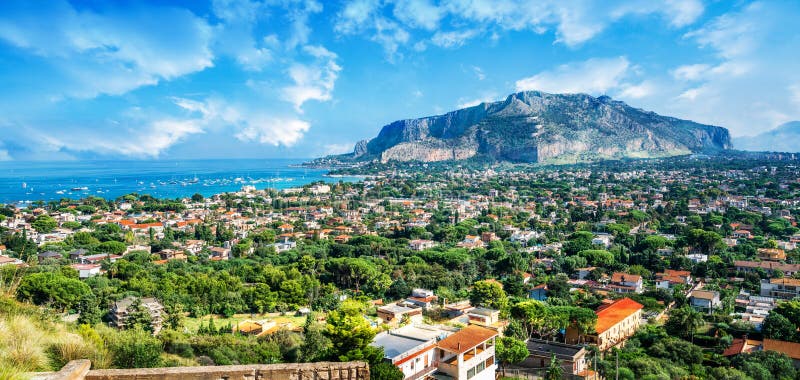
column 540, row 127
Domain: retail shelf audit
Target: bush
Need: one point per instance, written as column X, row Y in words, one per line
column 134, row 349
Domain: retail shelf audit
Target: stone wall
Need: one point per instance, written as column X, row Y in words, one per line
column 294, row 371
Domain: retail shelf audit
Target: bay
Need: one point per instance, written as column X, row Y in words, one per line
column 26, row 182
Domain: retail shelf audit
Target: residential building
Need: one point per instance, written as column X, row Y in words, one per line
column 422, row 298
column 468, row 354
column 122, row 308
column 626, row 283
column 771, row 254
column 616, row 322
column 86, row 270
column 411, row 348
column 704, row 300
column 393, row 314
column 669, row 278
column 768, row 266
column 602, row 239
column 421, row 244
column 791, row 349
column 572, row 357
column 782, row 288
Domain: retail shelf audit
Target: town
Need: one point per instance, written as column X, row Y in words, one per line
column 676, row 268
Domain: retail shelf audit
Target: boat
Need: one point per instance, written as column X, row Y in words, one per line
column 82, row 188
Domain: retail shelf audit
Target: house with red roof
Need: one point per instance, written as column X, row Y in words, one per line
column 616, row 322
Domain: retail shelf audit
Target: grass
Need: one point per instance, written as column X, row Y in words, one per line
column 192, row 324
column 32, row 340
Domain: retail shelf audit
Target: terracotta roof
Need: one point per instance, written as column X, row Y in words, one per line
column 466, row 339
column 625, row 277
column 615, row 313
column 735, row 349
column 791, row 349
column 785, row 281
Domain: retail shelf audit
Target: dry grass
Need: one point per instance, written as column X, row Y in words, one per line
column 23, row 346
column 31, row 341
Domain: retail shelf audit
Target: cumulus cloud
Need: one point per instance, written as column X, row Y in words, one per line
column 418, row 13
column 247, row 124
column 746, row 85
column 274, row 131
column 110, row 52
column 594, row 76
column 313, row 81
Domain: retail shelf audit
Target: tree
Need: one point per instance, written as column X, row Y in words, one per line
column 488, row 294
column 197, row 197
column 52, row 287
column 44, row 224
column 385, row 371
column 89, row 310
column 350, row 333
column 315, row 344
column 684, row 322
column 776, row 326
column 139, row 317
column 511, row 351
column 554, row 370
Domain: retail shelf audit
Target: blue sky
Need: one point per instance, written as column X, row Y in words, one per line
column 282, row 78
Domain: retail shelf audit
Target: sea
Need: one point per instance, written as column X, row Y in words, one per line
column 23, row 183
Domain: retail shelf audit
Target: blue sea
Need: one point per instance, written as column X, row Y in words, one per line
column 25, row 182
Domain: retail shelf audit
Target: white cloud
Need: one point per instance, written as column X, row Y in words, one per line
column 487, row 97
column 574, row 21
column 746, row 86
column 148, row 140
column 112, row 52
column 690, row 72
column 452, row 39
column 594, row 76
column 274, row 131
column 299, row 17
column 418, row 13
column 314, row 81
column 636, row 91
column 364, row 16
column 4, row 155
column 248, row 124
column 338, row 148
column 355, row 16
column 684, row 12
column 479, row 72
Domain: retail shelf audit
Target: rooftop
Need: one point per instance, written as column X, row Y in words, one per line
column 616, row 313
column 466, row 339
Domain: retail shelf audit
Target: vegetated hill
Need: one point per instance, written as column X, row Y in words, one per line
column 539, row 127
column 784, row 138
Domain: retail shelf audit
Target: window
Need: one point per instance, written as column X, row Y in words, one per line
column 490, row 361
column 471, row 373
column 480, row 367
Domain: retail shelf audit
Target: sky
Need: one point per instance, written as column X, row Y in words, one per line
column 282, row 78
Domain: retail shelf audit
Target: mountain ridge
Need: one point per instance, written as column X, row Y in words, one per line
column 534, row 126
column 783, row 138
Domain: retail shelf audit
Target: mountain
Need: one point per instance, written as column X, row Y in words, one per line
column 784, row 138
column 539, row 127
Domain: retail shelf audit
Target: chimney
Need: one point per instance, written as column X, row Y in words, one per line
column 459, row 346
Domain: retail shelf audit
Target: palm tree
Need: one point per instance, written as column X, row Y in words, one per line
column 686, row 319
column 554, row 370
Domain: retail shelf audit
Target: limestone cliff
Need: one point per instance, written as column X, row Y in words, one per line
column 540, row 127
